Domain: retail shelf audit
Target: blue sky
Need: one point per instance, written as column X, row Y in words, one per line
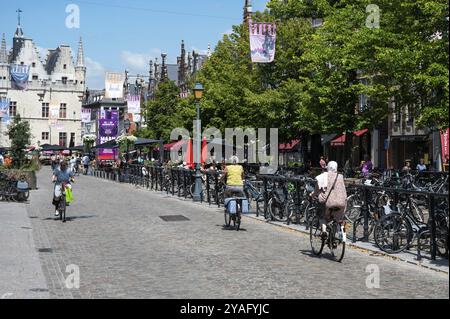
column 121, row 35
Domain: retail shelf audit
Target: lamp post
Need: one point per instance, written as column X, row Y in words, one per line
column 127, row 125
column 198, row 94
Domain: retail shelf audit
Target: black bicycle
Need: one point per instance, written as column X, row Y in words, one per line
column 335, row 236
column 234, row 217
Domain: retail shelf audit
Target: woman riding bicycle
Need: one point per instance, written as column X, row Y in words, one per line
column 61, row 175
column 233, row 176
column 332, row 195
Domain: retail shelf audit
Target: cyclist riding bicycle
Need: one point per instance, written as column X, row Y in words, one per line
column 332, row 195
column 61, row 175
column 233, row 177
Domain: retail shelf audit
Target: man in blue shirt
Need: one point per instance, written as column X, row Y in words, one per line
column 421, row 167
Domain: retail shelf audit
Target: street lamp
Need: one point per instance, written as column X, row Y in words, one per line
column 198, row 94
column 127, row 125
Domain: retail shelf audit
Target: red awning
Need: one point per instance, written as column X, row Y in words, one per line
column 341, row 139
column 289, row 146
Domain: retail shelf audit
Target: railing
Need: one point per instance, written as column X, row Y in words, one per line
column 180, row 182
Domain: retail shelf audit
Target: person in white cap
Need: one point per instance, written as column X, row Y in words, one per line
column 331, row 192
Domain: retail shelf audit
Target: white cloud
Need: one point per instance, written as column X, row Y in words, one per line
column 139, row 62
column 95, row 73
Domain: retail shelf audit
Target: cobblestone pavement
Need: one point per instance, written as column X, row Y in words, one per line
column 125, row 250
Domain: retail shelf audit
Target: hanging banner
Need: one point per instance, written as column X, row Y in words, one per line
column 262, row 41
column 19, row 76
column 4, row 110
column 107, row 130
column 85, row 115
column 444, row 145
column 53, row 115
column 114, row 85
column 134, row 104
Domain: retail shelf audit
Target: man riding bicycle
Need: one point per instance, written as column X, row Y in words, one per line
column 61, row 175
column 331, row 194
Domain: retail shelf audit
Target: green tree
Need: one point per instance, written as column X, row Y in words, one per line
column 20, row 135
column 163, row 113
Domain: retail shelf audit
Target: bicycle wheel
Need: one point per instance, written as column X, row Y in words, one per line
column 393, row 233
column 228, row 218
column 353, row 210
column 358, row 228
column 237, row 221
column 336, row 242
column 315, row 236
column 278, row 211
column 62, row 209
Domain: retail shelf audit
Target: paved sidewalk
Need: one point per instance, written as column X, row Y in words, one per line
column 124, row 249
column 21, row 275
column 410, row 257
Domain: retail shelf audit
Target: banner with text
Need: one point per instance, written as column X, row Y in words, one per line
column 114, row 85
column 107, row 130
column 4, row 110
column 262, row 42
column 85, row 115
column 19, row 76
column 444, row 145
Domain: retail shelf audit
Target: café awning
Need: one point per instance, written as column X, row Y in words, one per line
column 287, row 147
column 340, row 141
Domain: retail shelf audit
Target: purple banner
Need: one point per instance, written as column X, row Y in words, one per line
column 107, row 130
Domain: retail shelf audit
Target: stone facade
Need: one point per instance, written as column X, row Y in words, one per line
column 57, row 80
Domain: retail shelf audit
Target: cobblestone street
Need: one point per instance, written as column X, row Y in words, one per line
column 115, row 235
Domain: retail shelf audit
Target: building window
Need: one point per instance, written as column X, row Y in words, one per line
column 64, row 80
column 63, row 111
column 45, row 136
column 12, row 108
column 65, row 66
column 409, row 114
column 35, row 77
column 45, row 110
column 33, row 64
column 72, row 139
column 63, row 139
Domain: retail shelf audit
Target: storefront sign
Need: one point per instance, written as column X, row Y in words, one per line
column 107, row 154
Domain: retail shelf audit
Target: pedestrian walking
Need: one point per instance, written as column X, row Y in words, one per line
column 366, row 167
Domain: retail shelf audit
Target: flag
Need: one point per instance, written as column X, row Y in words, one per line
column 85, row 115
column 19, row 76
column 262, row 41
column 4, row 109
column 134, row 104
column 114, row 85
